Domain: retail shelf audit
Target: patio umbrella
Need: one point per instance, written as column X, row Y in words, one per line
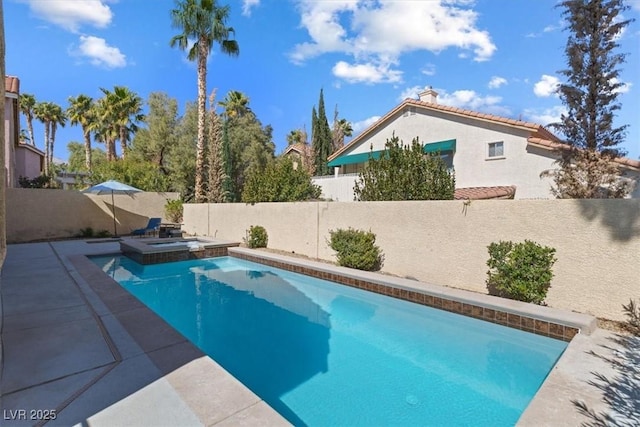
column 113, row 187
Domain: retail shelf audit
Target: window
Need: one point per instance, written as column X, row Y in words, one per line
column 496, row 150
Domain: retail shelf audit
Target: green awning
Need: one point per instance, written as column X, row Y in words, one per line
column 433, row 147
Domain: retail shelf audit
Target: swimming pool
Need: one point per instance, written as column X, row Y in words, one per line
column 326, row 354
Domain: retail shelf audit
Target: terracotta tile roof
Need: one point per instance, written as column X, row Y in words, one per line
column 12, row 84
column 484, row 193
column 554, row 145
column 536, row 129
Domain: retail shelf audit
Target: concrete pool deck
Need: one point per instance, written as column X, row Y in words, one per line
column 75, row 344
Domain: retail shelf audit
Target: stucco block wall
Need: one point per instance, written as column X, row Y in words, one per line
column 35, row 214
column 337, row 188
column 597, row 242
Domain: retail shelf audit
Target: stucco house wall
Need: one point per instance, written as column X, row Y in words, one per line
column 29, row 161
column 11, row 130
column 528, row 148
column 520, row 166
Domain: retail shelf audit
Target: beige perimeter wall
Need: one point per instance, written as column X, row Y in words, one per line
column 597, row 242
column 35, row 214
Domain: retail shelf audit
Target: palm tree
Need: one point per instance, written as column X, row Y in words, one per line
column 104, row 127
column 51, row 115
column 204, row 22
column 235, row 104
column 297, row 136
column 58, row 117
column 341, row 129
column 27, row 102
column 125, row 110
column 81, row 111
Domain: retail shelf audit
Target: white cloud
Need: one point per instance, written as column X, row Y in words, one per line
column 71, row 15
column 366, row 73
column 624, row 88
column 247, row 5
column 380, row 32
column 496, row 82
column 471, row 100
column 100, row 53
column 429, row 70
column 547, row 86
column 545, row 116
column 467, row 99
column 363, row 124
column 410, row 92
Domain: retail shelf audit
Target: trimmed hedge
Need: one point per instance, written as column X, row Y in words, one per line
column 520, row 271
column 356, row 249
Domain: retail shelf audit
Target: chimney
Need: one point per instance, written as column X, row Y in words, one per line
column 429, row 96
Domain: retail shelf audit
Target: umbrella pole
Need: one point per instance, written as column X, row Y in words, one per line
column 113, row 210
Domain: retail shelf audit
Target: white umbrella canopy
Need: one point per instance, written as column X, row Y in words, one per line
column 113, row 187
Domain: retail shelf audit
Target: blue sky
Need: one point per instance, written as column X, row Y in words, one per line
column 494, row 56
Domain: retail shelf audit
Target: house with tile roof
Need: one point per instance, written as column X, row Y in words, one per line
column 493, row 157
column 20, row 159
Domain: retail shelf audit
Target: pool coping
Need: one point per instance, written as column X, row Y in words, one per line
column 182, row 363
column 541, row 320
column 143, row 252
column 210, row 391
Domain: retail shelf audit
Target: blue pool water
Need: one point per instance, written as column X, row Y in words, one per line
column 325, row 354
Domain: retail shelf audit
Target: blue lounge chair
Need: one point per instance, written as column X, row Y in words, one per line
column 152, row 227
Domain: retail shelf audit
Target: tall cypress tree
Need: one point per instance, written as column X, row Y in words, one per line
column 591, row 91
column 227, row 184
column 590, row 96
column 321, row 137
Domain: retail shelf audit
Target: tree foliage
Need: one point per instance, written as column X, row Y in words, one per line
column 81, row 111
column 279, row 182
column 321, row 140
column 405, row 173
column 216, row 170
column 133, row 171
column 27, row 102
column 590, row 96
column 51, row 115
column 590, row 175
column 204, row 22
column 341, row 129
column 250, row 147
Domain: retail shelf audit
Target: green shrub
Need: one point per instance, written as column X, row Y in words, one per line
column 103, row 233
column 632, row 311
column 257, row 237
column 85, row 232
column 520, row 271
column 356, row 249
column 173, row 209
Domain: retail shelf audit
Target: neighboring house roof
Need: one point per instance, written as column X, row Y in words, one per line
column 484, row 193
column 540, row 136
column 553, row 145
column 298, row 147
column 536, row 129
column 12, row 84
column 31, row 148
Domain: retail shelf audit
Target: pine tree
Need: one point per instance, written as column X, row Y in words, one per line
column 590, row 96
column 321, row 137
